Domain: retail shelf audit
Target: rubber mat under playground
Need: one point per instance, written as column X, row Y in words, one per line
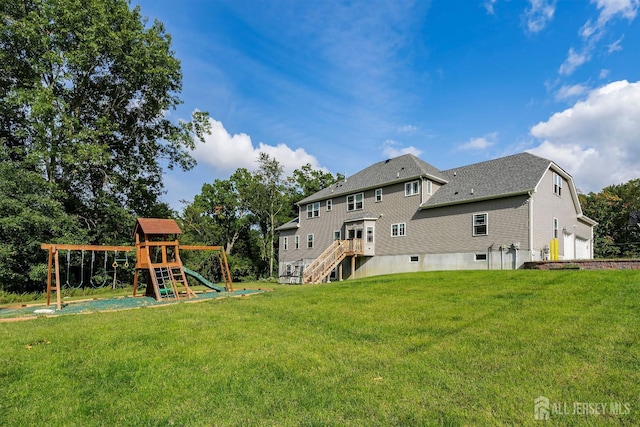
column 107, row 304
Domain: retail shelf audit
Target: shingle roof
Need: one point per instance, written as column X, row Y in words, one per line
column 294, row 223
column 516, row 174
column 386, row 172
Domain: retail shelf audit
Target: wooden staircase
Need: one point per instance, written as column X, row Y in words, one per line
column 322, row 266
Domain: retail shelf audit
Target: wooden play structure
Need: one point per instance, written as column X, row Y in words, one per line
column 157, row 256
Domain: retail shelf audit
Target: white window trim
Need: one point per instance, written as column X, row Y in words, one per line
column 285, row 243
column 377, row 193
column 372, row 235
column 329, row 205
column 337, row 233
column 486, row 223
column 402, row 229
column 556, row 228
column 296, row 241
column 429, row 188
column 310, row 239
column 557, row 184
column 411, row 188
column 313, row 210
column 355, row 202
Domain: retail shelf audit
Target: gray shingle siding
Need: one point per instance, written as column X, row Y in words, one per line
column 547, row 205
column 449, row 229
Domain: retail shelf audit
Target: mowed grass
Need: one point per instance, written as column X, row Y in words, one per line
column 441, row 348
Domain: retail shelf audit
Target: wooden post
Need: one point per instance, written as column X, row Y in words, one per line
column 353, row 266
column 58, row 296
column 49, row 265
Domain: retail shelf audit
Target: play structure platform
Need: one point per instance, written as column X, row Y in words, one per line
column 157, row 258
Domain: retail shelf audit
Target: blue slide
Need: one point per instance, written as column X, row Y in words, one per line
column 202, row 280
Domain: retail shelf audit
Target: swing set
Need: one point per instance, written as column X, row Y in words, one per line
column 157, row 256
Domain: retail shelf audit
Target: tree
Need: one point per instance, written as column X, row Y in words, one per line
column 224, row 208
column 265, row 195
column 307, row 181
column 614, row 235
column 28, row 217
column 86, row 85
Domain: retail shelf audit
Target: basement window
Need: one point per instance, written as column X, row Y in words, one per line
column 481, row 257
column 414, row 258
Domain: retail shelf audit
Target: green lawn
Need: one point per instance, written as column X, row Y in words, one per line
column 443, row 348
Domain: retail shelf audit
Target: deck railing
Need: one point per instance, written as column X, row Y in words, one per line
column 330, row 258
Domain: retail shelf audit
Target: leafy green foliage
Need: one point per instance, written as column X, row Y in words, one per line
column 29, row 214
column 615, row 236
column 85, row 89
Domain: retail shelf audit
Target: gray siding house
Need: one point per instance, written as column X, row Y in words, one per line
column 403, row 215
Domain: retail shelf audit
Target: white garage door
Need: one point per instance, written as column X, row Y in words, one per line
column 582, row 249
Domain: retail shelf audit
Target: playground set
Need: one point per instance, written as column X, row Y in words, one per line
column 157, row 256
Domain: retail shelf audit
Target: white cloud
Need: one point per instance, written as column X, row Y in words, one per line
column 392, row 148
column 488, row 6
column 574, row 60
column 604, row 73
column 407, row 129
column 592, row 31
column 609, row 9
column 598, row 139
column 226, row 152
column 571, row 91
column 481, row 143
column 615, row 46
column 539, row 14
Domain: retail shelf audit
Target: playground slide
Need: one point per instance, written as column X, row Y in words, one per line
column 202, row 280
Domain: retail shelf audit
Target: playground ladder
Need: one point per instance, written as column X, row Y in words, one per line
column 178, row 277
column 164, row 282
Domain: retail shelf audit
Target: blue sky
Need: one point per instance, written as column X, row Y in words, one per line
column 342, row 85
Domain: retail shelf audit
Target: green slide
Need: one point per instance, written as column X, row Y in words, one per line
column 202, row 280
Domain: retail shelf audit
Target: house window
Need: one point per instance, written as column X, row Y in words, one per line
column 429, row 187
column 288, row 270
column 414, row 258
column 480, row 225
column 557, row 184
column 309, row 241
column 379, row 195
column 296, row 241
column 398, row 230
column 481, row 257
column 329, row 205
column 555, row 228
column 336, row 235
column 313, row 210
column 285, row 243
column 369, row 234
column 411, row 188
column 355, row 202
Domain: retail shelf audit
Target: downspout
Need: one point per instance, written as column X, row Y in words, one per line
column 530, row 226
